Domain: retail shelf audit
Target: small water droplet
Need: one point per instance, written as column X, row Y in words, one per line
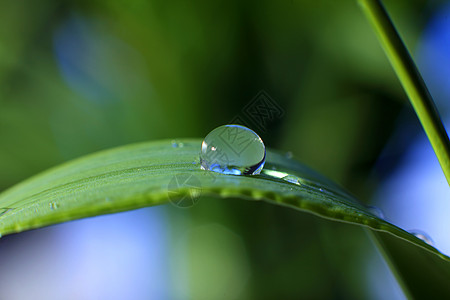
column 423, row 236
column 317, row 187
column 5, row 210
column 233, row 149
column 176, row 144
column 376, row 211
column 289, row 155
column 292, row 179
column 53, row 205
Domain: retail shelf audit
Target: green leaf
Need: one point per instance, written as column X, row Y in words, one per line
column 421, row 274
column 144, row 174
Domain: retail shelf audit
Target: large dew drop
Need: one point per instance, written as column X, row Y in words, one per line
column 233, row 149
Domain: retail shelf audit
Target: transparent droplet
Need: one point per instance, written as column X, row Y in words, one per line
column 5, row 210
column 376, row 211
column 292, row 179
column 233, row 149
column 318, row 187
column 176, row 144
column 423, row 236
column 53, row 205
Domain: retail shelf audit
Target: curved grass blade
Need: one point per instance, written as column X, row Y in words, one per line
column 411, row 80
column 140, row 175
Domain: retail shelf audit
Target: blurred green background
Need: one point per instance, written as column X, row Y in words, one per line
column 81, row 76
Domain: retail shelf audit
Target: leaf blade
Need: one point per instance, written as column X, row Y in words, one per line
column 138, row 175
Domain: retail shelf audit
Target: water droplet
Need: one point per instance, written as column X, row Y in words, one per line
column 176, row 144
column 5, row 210
column 233, row 149
column 53, row 205
column 376, row 211
column 423, row 236
column 289, row 154
column 292, row 179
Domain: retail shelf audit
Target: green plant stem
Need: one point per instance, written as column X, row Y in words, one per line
column 410, row 79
